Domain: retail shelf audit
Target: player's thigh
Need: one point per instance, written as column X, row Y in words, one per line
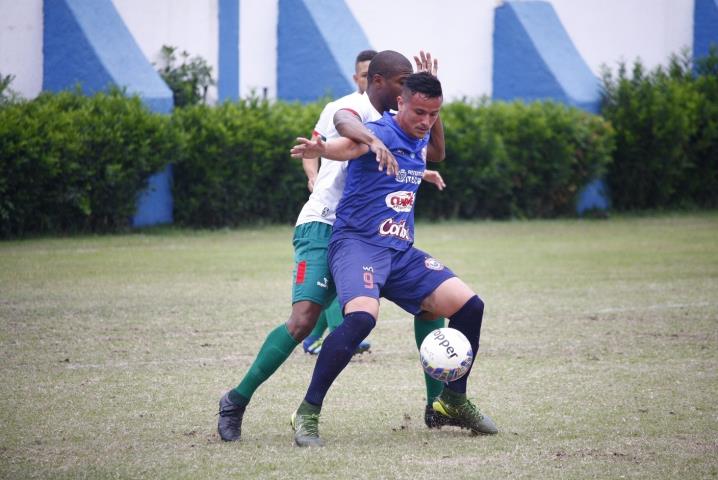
column 448, row 297
column 312, row 280
column 359, row 269
column 414, row 276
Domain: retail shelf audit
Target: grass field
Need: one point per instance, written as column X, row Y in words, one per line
column 599, row 357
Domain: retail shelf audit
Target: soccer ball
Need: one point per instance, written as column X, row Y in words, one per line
column 446, row 354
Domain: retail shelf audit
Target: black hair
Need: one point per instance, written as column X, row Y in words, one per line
column 365, row 55
column 423, row 83
column 388, row 63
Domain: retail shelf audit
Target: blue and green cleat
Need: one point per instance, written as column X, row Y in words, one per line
column 312, row 345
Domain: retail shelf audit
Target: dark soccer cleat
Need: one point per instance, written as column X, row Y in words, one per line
column 229, row 425
column 306, row 429
column 467, row 416
column 434, row 420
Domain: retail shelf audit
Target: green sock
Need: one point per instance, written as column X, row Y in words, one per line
column 421, row 329
column 307, row 408
column 276, row 348
column 453, row 398
column 320, row 326
column 334, row 315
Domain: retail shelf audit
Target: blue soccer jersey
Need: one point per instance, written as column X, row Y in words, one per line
column 378, row 208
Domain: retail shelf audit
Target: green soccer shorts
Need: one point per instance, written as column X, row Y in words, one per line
column 312, row 279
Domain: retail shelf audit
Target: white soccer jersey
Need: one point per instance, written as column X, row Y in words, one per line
column 329, row 184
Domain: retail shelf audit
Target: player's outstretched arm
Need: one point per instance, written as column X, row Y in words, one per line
column 311, row 168
column 334, row 149
column 436, row 150
column 349, row 125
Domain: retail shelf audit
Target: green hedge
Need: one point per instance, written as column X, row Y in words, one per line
column 75, row 163
column 516, row 160
column 666, row 124
column 236, row 167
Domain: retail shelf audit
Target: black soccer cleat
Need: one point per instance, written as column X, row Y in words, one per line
column 432, row 419
column 229, row 425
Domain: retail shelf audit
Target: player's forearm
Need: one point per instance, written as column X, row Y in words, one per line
column 311, row 167
column 349, row 126
column 436, row 150
column 343, row 149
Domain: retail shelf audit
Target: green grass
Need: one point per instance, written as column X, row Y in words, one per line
column 599, row 357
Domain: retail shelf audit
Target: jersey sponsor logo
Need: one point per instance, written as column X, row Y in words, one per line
column 409, row 176
column 367, row 268
column 390, row 228
column 433, row 264
column 325, row 211
column 401, row 201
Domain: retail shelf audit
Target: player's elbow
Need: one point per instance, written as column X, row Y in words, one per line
column 436, row 155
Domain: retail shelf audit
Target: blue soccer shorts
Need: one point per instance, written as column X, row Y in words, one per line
column 404, row 277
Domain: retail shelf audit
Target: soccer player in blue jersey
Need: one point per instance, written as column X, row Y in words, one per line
column 371, row 254
column 313, row 287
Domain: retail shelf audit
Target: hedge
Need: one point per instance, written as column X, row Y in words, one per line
column 236, row 166
column 666, row 123
column 516, row 160
column 72, row 163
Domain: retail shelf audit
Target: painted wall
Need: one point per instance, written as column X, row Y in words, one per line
column 606, row 31
column 258, row 47
column 21, row 44
column 190, row 25
column 459, row 33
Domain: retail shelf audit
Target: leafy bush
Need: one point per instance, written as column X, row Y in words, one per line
column 236, row 166
column 516, row 160
column 7, row 95
column 666, row 124
column 76, row 163
column 73, row 163
column 189, row 80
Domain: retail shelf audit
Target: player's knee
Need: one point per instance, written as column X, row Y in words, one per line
column 303, row 319
column 472, row 311
column 362, row 322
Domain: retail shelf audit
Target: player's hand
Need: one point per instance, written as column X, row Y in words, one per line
column 424, row 63
column 432, row 176
column 306, row 148
column 384, row 157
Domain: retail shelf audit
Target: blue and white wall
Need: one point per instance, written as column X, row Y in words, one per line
column 460, row 33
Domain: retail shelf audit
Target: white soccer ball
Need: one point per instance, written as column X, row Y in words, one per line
column 446, row 354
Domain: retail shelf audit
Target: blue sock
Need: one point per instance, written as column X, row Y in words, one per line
column 468, row 321
column 337, row 349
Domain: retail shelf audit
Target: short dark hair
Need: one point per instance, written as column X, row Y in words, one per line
column 423, row 83
column 365, row 55
column 388, row 63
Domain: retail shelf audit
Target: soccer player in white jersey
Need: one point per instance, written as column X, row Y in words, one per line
column 332, row 316
column 313, row 287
